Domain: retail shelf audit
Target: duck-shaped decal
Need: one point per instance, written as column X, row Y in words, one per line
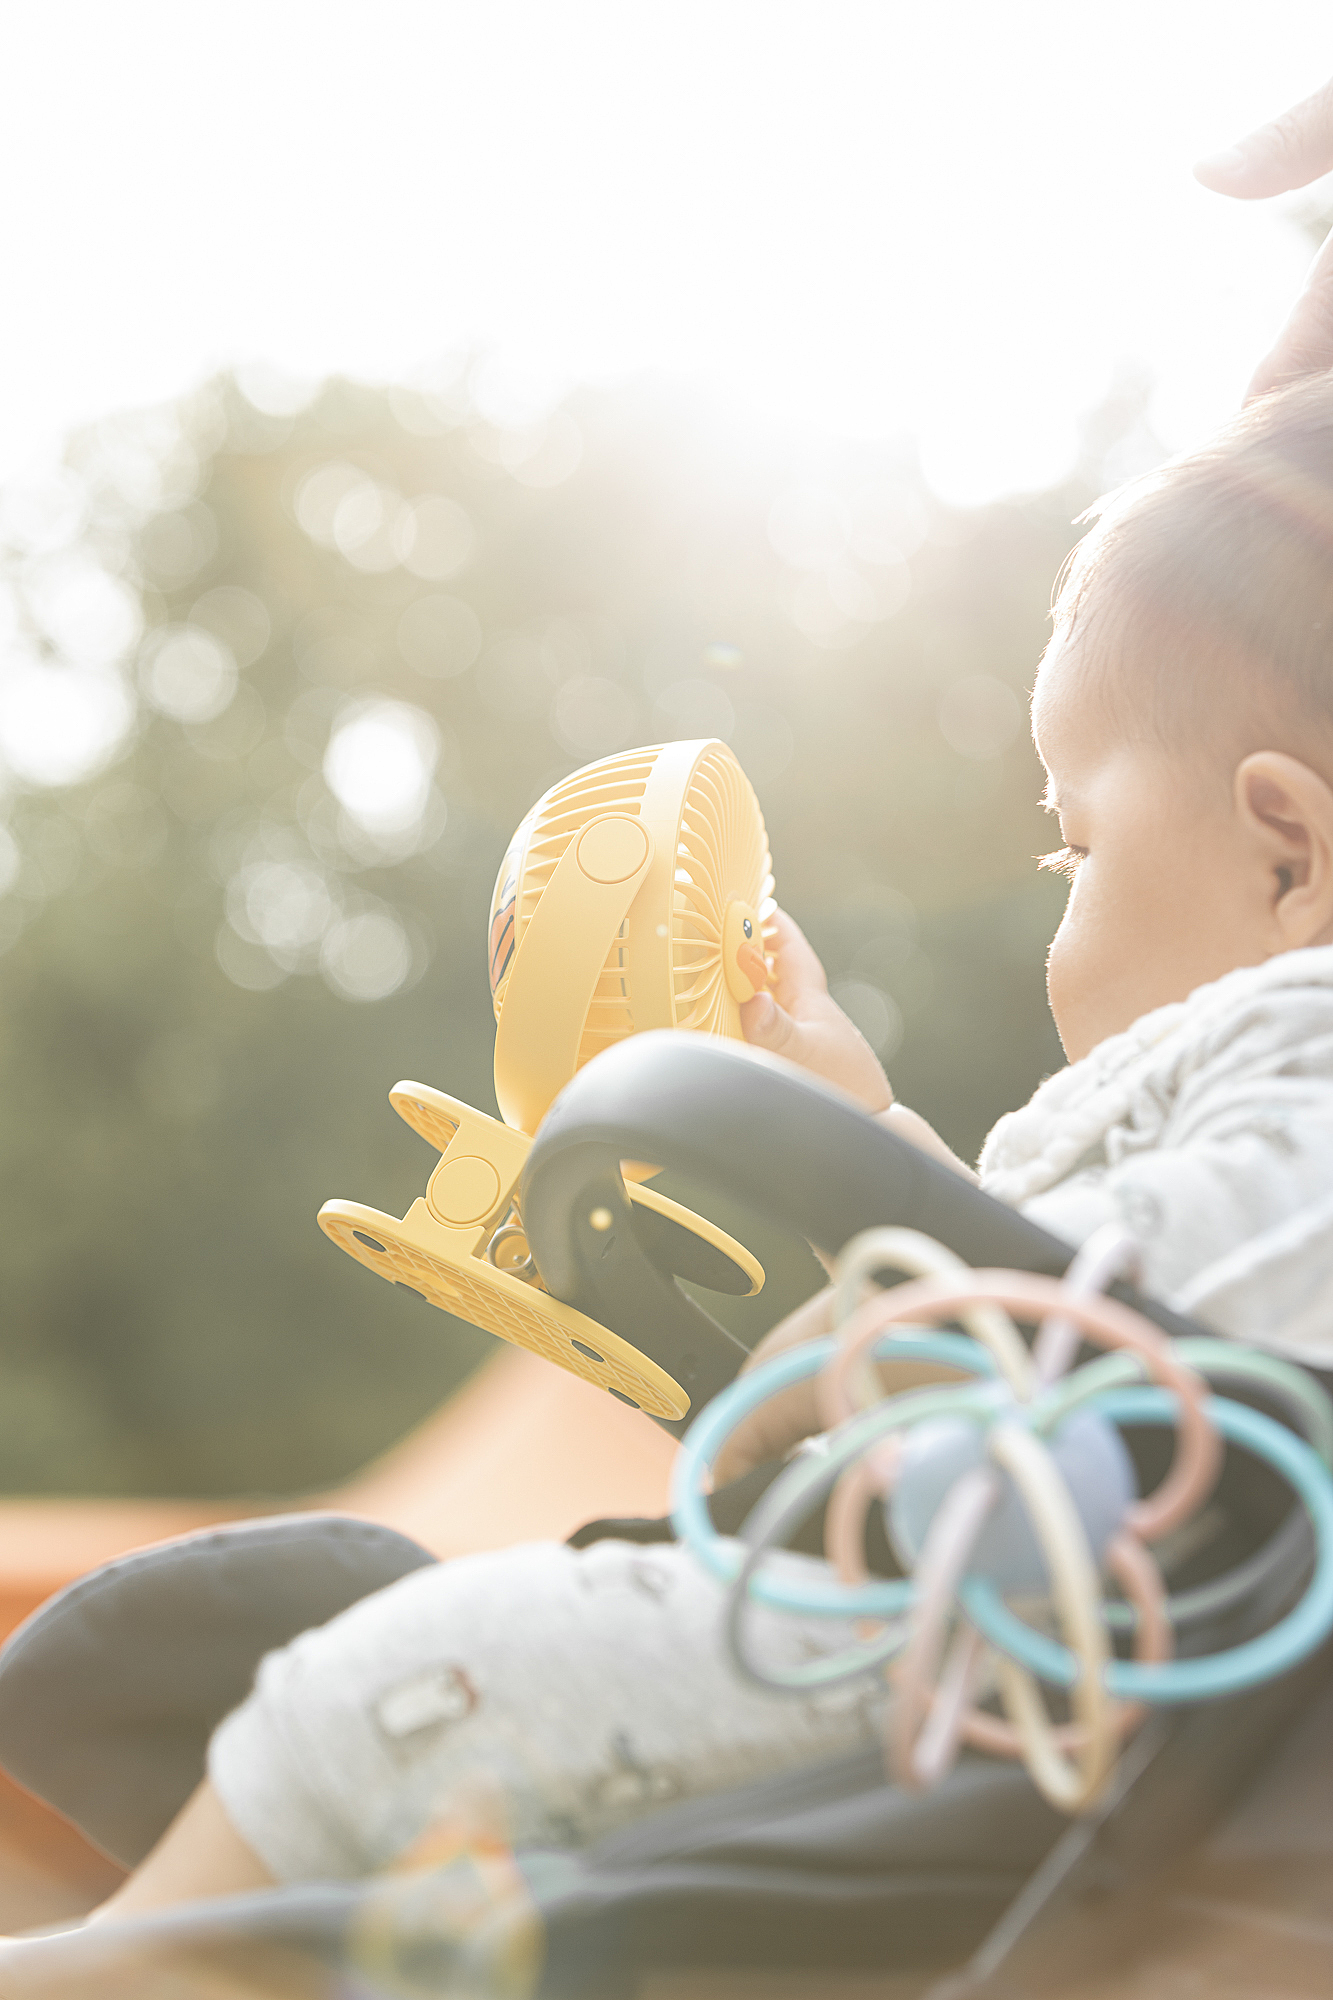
column 743, row 961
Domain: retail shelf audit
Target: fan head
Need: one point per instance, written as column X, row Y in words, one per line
column 632, row 896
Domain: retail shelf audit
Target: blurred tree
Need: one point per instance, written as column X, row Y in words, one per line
column 373, row 630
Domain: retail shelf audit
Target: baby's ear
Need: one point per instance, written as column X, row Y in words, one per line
column 1286, row 811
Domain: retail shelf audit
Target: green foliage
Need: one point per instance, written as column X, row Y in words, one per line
column 174, row 1321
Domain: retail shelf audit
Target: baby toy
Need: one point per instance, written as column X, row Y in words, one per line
column 632, row 897
column 1012, row 1484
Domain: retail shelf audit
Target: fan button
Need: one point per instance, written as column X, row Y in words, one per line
column 463, row 1190
column 613, row 848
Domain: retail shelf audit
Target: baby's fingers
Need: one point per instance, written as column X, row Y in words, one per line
column 796, row 963
column 765, row 1025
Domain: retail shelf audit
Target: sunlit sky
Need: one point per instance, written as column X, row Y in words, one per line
column 954, row 219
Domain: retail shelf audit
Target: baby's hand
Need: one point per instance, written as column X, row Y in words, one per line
column 800, row 1019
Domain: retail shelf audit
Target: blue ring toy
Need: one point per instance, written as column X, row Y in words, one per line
column 720, row 1554
column 801, row 1487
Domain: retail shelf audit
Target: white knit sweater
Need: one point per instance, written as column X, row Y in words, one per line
column 1207, row 1130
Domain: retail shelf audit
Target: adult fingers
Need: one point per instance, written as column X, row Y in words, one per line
column 1289, row 152
column 1305, row 344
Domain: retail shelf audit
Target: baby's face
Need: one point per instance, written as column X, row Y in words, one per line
column 1160, row 897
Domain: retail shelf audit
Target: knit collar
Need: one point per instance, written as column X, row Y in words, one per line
column 1068, row 1116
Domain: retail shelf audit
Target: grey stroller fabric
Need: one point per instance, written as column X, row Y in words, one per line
column 110, row 1692
column 831, row 1870
column 108, row 1696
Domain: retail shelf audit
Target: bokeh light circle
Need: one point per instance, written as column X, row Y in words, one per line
column 693, row 707
column 188, row 674
column 380, row 762
column 367, row 956
column 284, row 905
column 440, row 636
column 60, row 724
column 873, row 1011
column 979, row 716
column 591, row 716
column 91, row 617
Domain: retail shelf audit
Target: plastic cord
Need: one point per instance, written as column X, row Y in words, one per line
column 806, row 1482
column 1298, row 1395
column 944, row 1728
column 1109, row 1253
column 936, row 1676
column 1272, row 1653
column 929, row 1719
column 773, row 1521
column 721, row 1555
column 1217, row 1361
column 850, row 1502
column 939, row 1570
column 1198, row 1455
column 1285, row 1552
column 1068, row 1781
column 1139, row 1577
column 922, row 1257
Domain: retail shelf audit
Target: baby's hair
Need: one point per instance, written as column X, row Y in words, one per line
column 1203, row 597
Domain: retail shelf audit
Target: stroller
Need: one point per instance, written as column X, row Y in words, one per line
column 109, row 1694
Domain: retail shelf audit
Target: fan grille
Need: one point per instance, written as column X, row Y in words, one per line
column 721, row 855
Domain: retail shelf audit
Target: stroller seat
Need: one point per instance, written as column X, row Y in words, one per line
column 819, row 1874
column 819, row 1879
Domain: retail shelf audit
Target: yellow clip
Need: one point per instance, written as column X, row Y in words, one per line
column 460, row 1246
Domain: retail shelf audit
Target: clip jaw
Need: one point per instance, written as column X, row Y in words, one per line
column 461, row 1247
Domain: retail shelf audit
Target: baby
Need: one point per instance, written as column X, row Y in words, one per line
column 1184, row 714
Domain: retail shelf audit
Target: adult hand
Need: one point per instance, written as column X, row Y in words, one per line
column 800, row 1019
column 1288, row 152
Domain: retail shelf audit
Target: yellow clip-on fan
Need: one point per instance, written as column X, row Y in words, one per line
column 631, row 897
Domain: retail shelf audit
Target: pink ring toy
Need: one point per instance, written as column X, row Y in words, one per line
column 868, row 1480
column 1198, row 1455
column 943, row 1560
column 1135, row 1571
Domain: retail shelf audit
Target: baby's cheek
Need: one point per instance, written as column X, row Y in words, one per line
column 1067, row 979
